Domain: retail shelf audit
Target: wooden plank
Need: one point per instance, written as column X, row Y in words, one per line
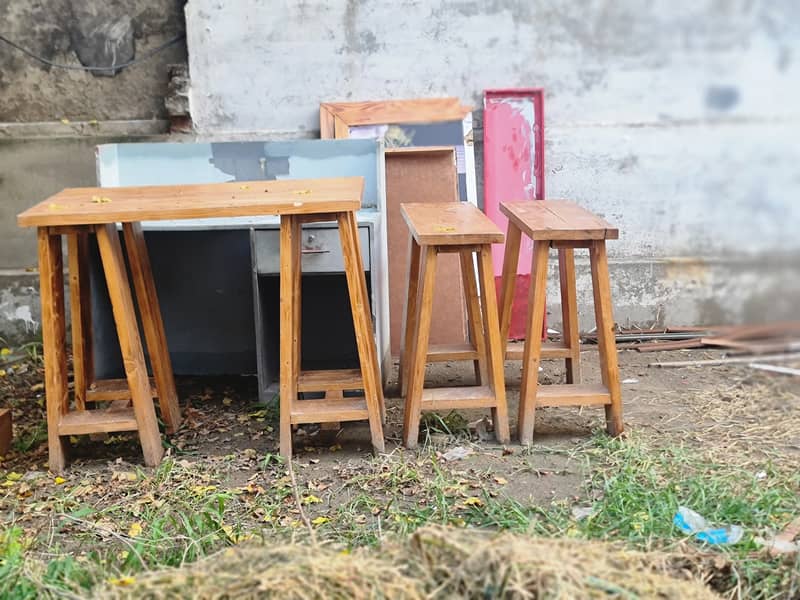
column 569, row 314
column 572, row 395
column 418, row 110
column 533, row 343
column 81, row 315
column 416, row 369
column 609, row 368
column 448, row 352
column 675, row 345
column 81, row 206
column 51, row 290
column 330, row 379
column 362, row 322
column 457, row 398
column 329, row 410
column 130, row 344
column 153, row 326
column 289, row 370
column 427, row 175
column 98, row 421
column 782, row 357
column 109, row 390
column 549, row 350
column 475, row 318
column 410, row 316
column 450, row 224
column 5, row 431
column 494, row 346
column 558, row 220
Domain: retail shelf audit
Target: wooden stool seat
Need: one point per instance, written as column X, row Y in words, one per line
column 461, row 228
column 565, row 226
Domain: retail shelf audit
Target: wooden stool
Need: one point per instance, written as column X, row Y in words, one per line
column 464, row 229
column 335, row 407
column 563, row 225
column 131, row 399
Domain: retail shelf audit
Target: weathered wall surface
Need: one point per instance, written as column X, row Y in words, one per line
column 678, row 121
column 75, row 31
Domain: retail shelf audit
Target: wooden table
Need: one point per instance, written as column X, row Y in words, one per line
column 79, row 212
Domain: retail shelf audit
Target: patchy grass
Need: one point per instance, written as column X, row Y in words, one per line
column 184, row 511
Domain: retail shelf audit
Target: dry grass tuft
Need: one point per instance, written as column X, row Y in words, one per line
column 436, row 562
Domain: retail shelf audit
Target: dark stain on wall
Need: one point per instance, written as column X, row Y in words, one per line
column 76, row 32
column 722, row 97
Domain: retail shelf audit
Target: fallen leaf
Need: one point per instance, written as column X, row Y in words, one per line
column 500, row 480
column 13, row 476
column 302, row 191
column 129, row 580
column 65, row 121
column 320, row 520
column 311, row 499
column 227, row 401
column 473, row 501
column 135, row 530
column 5, row 351
column 60, row 481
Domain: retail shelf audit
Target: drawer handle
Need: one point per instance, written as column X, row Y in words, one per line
column 314, row 251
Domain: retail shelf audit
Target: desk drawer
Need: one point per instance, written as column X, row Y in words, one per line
column 321, row 248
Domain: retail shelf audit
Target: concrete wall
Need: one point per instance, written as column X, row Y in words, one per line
column 90, row 32
column 678, row 121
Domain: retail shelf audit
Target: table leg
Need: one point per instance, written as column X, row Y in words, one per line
column 130, row 344
column 409, row 316
column 569, row 313
column 494, row 344
column 289, row 371
column 419, row 354
column 51, row 286
column 362, row 321
column 476, row 330
column 508, row 281
column 152, row 324
column 81, row 312
column 537, row 296
column 606, row 338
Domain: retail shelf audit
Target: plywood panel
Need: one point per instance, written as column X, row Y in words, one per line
column 422, row 175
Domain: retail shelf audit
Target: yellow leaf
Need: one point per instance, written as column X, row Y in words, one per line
column 302, row 191
column 311, row 500
column 473, row 501
column 60, row 481
column 244, row 187
column 9, row 483
column 135, row 530
column 14, row 476
column 5, row 351
column 2, row 372
column 65, row 121
column 501, row 480
column 122, row 555
column 227, row 401
column 320, row 520
column 443, row 229
column 122, row 580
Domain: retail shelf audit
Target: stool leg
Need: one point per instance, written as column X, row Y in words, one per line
column 152, row 324
column 289, row 251
column 409, row 316
column 537, row 295
column 509, row 281
column 81, row 313
column 54, row 343
column 495, row 345
column 476, row 332
column 419, row 348
column 569, row 313
column 130, row 344
column 362, row 320
column 605, row 335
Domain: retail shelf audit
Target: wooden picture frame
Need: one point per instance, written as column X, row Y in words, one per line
column 432, row 121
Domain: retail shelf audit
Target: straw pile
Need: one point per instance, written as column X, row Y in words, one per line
column 434, row 563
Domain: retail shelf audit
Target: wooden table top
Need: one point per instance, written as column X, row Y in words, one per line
column 450, row 223
column 557, row 220
column 96, row 206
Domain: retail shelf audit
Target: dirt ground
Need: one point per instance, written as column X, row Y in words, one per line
column 223, row 419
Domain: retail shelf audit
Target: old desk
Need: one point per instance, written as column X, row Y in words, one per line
column 80, row 212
